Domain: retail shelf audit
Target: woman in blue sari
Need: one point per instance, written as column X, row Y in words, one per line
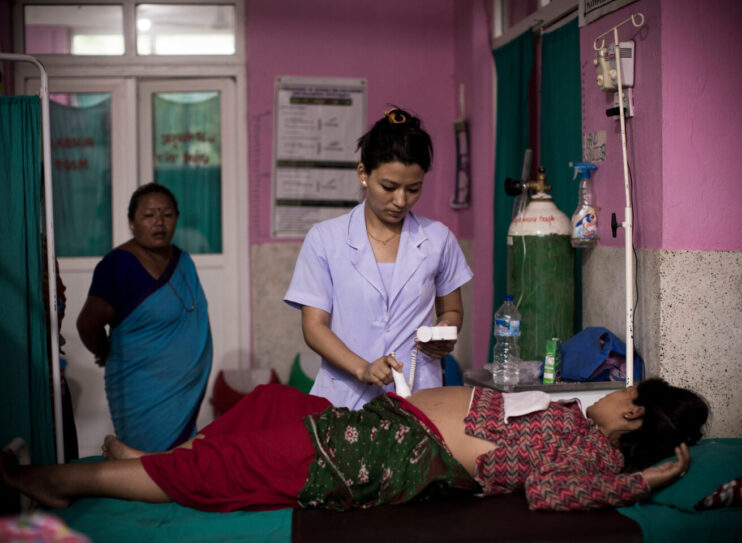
column 157, row 357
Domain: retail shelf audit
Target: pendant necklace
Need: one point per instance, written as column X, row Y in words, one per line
column 193, row 298
column 383, row 242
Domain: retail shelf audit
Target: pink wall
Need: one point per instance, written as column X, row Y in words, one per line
column 683, row 141
column 701, row 126
column 475, row 67
column 404, row 49
column 644, row 130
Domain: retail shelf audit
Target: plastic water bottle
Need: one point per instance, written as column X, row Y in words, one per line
column 506, row 353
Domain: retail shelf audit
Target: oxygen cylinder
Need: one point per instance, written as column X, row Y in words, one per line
column 541, row 271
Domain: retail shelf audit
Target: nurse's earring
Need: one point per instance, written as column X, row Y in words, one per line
column 363, row 182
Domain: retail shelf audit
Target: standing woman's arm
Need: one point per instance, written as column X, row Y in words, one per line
column 91, row 325
column 315, row 324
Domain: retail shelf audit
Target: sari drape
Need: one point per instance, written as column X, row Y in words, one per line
column 159, row 362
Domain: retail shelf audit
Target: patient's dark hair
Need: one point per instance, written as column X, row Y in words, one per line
column 149, row 188
column 396, row 137
column 672, row 416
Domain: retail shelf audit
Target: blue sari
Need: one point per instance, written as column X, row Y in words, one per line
column 159, row 360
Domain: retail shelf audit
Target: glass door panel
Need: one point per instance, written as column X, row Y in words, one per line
column 187, row 159
column 81, row 162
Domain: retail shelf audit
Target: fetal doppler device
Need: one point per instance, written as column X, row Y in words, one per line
column 424, row 335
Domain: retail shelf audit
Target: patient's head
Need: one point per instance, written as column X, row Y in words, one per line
column 671, row 416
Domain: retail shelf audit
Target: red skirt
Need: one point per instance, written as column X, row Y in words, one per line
column 254, row 457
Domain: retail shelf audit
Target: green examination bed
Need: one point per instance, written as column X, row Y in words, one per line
column 670, row 515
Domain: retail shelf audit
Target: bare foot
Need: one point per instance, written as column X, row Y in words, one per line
column 115, row 449
column 36, row 482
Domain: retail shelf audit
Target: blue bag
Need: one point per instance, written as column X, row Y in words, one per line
column 597, row 354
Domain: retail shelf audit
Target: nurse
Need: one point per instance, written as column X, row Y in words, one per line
column 365, row 281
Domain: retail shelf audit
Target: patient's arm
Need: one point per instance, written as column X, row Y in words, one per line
column 666, row 473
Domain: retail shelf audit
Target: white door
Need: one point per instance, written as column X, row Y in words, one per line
column 189, row 125
column 103, row 143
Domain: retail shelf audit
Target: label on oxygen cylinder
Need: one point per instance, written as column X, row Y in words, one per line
column 585, row 224
column 507, row 327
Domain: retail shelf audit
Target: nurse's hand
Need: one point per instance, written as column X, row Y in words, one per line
column 379, row 372
column 437, row 349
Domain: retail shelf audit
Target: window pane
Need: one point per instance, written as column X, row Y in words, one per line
column 74, row 30
column 185, row 29
column 81, row 174
column 187, row 160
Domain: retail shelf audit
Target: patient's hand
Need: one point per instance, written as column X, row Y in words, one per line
column 667, row 472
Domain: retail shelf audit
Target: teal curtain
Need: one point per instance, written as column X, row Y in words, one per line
column 514, row 64
column 81, row 162
column 187, row 158
column 25, row 403
column 561, row 126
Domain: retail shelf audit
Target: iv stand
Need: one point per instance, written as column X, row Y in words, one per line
column 637, row 20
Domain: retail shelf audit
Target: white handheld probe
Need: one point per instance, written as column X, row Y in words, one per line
column 401, row 386
column 424, row 334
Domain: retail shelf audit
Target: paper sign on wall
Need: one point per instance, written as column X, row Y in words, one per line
column 593, row 146
column 591, row 10
column 318, row 122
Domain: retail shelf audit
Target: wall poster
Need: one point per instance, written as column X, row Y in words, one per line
column 591, row 10
column 314, row 173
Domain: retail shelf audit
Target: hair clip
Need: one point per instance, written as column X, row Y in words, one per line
column 395, row 116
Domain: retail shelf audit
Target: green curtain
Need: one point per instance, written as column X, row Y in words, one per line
column 25, row 403
column 561, row 126
column 187, row 158
column 514, row 64
column 81, row 159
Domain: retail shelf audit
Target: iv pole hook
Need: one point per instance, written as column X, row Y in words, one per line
column 637, row 19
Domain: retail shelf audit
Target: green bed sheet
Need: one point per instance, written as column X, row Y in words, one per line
column 106, row 520
column 669, row 516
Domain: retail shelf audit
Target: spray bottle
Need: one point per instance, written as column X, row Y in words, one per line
column 584, row 224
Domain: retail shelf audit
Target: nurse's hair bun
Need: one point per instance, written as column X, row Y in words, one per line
column 401, row 117
column 395, row 116
column 397, row 136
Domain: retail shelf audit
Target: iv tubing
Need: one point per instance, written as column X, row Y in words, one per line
column 50, row 255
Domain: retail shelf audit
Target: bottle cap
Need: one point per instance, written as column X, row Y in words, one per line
column 508, row 298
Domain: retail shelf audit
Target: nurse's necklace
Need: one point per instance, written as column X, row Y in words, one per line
column 382, row 241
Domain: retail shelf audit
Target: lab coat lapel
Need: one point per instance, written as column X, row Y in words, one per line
column 409, row 254
column 362, row 254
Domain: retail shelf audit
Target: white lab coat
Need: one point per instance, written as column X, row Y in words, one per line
column 336, row 271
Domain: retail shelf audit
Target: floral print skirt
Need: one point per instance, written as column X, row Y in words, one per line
column 382, row 454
